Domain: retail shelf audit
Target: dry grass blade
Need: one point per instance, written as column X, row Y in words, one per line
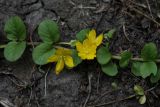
column 6, row 103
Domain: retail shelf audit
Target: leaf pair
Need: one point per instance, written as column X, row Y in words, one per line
column 108, row 67
column 104, row 58
column 140, row 94
column 16, row 32
column 146, row 69
column 49, row 33
column 149, row 54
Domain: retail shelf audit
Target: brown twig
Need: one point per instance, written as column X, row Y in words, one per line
column 30, row 37
column 125, row 34
column 98, row 80
column 149, row 8
column 126, row 98
column 105, row 93
column 30, row 97
column 141, row 13
column 89, row 88
column 45, row 86
column 138, row 4
column 114, row 101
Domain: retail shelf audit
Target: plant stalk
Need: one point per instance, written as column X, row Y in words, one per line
column 36, row 43
column 63, row 43
column 117, row 57
column 133, row 59
column 2, row 46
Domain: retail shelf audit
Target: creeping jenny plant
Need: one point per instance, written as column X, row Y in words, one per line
column 86, row 47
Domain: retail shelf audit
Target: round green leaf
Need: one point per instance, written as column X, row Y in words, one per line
column 82, row 34
column 42, row 52
column 135, row 69
column 49, row 31
column 14, row 50
column 148, row 68
column 138, row 90
column 142, row 99
column 103, row 55
column 149, row 52
column 125, row 58
column 110, row 69
column 156, row 78
column 15, row 29
column 76, row 59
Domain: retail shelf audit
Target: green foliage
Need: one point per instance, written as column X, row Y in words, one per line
column 148, row 68
column 156, row 78
column 109, row 34
column 82, row 34
column 103, row 55
column 14, row 50
column 114, row 85
column 144, row 69
column 125, row 58
column 135, row 69
column 16, row 33
column 15, row 29
column 110, row 69
column 42, row 52
column 76, row 59
column 149, row 52
column 142, row 99
column 73, row 43
column 48, row 31
column 138, row 90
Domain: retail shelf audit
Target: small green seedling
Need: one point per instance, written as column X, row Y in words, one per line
column 140, row 94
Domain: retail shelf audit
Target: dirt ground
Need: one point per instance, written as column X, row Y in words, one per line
column 23, row 84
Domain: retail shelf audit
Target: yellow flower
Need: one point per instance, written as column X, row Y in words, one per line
column 63, row 57
column 87, row 49
column 92, row 38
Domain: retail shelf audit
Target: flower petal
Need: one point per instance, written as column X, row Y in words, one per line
column 59, row 51
column 79, row 46
column 67, row 52
column 99, row 39
column 87, row 43
column 91, row 56
column 59, row 65
column 63, row 51
column 92, row 35
column 53, row 58
column 68, row 61
column 82, row 55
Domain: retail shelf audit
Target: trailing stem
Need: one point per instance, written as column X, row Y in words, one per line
column 117, row 57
